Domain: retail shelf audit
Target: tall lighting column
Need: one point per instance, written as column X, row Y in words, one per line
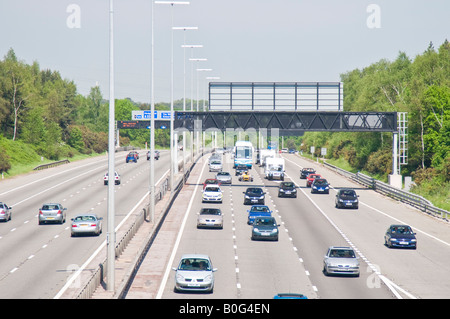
column 184, row 88
column 173, row 160
column 111, row 236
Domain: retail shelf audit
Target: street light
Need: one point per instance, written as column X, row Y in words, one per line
column 173, row 160
column 184, row 90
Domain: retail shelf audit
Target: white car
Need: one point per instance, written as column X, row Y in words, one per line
column 194, row 273
column 116, row 178
column 213, row 194
column 215, row 166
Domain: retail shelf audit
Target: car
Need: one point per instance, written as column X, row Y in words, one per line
column 284, row 150
column 195, row 272
column 116, row 178
column 287, row 189
column 212, row 193
column 254, row 195
column 157, row 154
column 400, row 236
column 5, row 212
column 211, row 181
column 210, row 218
column 341, row 261
column 240, row 169
column 224, row 177
column 258, row 211
column 245, row 177
column 86, row 224
column 215, row 166
column 306, row 171
column 135, row 154
column 265, row 228
column 320, row 185
column 289, row 295
column 52, row 212
column 131, row 158
column 346, row 198
column 310, row 178
column 292, row 151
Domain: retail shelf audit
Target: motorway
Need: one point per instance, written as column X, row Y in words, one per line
column 310, row 224
column 36, row 260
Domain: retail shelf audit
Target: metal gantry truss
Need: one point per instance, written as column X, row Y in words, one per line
column 289, row 123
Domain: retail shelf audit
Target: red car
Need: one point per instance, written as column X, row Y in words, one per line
column 311, row 178
column 211, row 181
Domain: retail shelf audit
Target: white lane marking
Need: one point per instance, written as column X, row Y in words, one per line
column 392, row 287
column 180, row 233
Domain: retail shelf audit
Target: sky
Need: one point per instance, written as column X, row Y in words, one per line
column 243, row 40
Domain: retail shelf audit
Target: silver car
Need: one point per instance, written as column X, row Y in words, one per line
column 224, row 177
column 116, row 178
column 86, row 224
column 194, row 273
column 212, row 194
column 210, row 218
column 52, row 212
column 341, row 261
column 5, row 212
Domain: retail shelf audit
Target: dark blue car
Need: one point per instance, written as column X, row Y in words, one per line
column 320, row 185
column 400, row 236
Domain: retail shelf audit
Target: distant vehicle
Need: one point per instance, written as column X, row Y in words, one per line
column 289, row 295
column 274, row 168
column 131, row 158
column 212, row 193
column 210, row 218
column 135, row 154
column 265, row 154
column 246, row 177
column 292, row 151
column 195, row 272
column 340, row 261
column 157, row 154
column 321, row 186
column 284, row 150
column 254, row 195
column 211, row 181
column 215, row 166
column 258, row 211
column 52, row 212
column 287, row 189
column 400, row 236
column 265, row 228
column 243, row 153
column 86, row 224
column 5, row 212
column 311, row 178
column 224, row 177
column 240, row 169
column 346, row 198
column 116, row 178
column 306, row 171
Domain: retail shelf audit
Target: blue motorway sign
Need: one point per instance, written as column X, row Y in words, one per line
column 146, row 115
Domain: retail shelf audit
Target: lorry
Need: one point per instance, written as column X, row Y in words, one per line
column 274, row 168
column 264, row 154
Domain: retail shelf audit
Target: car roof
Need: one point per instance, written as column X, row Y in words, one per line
column 204, row 256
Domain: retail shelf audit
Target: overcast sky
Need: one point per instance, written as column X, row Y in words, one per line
column 243, row 40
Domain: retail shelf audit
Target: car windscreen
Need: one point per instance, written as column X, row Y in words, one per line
column 210, row 211
column 194, row 264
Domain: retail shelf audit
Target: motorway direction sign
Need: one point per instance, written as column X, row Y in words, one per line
column 146, row 115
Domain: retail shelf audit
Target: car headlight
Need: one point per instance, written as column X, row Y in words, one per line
column 315, row 187
column 275, row 230
column 281, row 190
column 180, row 277
column 262, row 197
column 255, row 229
column 413, row 240
column 247, row 197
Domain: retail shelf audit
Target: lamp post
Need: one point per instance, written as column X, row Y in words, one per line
column 111, row 236
column 173, row 161
column 184, row 88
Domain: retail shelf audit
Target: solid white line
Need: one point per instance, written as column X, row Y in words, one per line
column 71, row 279
column 177, row 242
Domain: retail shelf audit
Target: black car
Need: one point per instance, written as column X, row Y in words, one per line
column 306, row 171
column 287, row 189
column 254, row 195
column 400, row 236
column 346, row 198
column 240, row 169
